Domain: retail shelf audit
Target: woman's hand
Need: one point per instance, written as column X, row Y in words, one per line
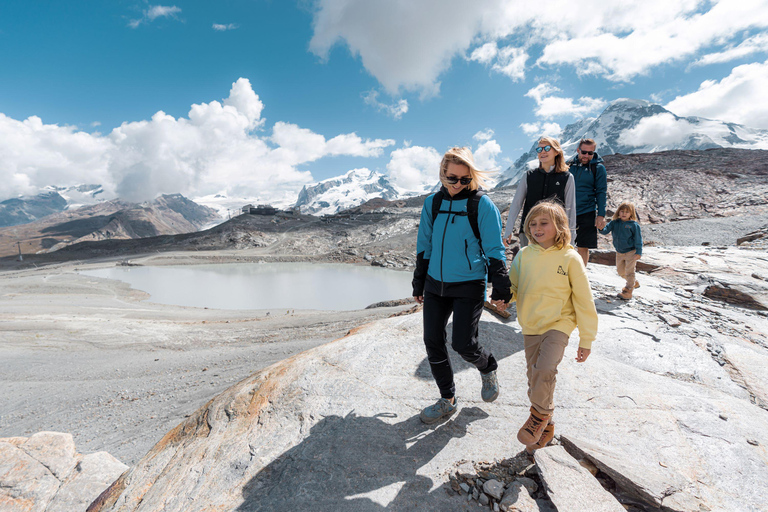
column 419, row 299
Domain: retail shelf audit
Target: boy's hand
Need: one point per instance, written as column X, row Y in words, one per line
column 582, row 354
column 638, row 256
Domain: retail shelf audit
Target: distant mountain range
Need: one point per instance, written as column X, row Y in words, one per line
column 21, row 210
column 344, row 192
column 106, row 220
column 636, row 126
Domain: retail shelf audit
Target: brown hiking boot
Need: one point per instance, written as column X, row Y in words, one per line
column 626, row 294
column 531, row 431
column 546, row 437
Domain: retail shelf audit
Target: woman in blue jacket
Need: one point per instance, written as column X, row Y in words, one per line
column 458, row 248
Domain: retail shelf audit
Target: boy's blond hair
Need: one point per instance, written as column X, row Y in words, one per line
column 556, row 213
column 560, row 165
column 463, row 156
column 626, row 205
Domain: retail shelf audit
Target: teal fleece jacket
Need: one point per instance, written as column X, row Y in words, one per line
column 626, row 235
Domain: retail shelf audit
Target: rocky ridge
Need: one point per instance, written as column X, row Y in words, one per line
column 670, row 409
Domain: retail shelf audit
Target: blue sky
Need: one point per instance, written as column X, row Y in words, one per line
column 293, row 92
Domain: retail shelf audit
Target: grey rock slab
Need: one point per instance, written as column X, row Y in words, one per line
column 570, row 486
column 54, row 450
column 494, row 489
column 28, row 484
column 91, row 476
column 25, row 484
column 646, row 479
column 517, row 499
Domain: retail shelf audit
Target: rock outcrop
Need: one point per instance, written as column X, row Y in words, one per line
column 669, row 415
column 45, row 473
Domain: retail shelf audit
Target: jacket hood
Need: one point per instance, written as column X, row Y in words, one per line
column 596, row 159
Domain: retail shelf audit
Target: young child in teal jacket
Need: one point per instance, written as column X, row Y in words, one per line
column 628, row 242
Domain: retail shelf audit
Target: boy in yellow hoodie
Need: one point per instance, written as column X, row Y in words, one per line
column 553, row 296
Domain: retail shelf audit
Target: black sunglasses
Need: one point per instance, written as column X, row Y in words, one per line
column 544, row 148
column 586, row 152
column 454, row 179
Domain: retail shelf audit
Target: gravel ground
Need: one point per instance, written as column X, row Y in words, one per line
column 718, row 231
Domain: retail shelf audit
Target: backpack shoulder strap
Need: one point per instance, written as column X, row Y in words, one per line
column 473, row 204
column 437, row 201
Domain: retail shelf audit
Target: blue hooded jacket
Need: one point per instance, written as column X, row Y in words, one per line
column 450, row 259
column 591, row 188
column 626, row 235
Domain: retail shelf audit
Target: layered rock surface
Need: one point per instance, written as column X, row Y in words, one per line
column 45, row 473
column 675, row 416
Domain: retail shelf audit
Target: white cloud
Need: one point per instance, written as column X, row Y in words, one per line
column 738, row 98
column 756, row 44
column 511, row 61
column 214, row 150
column 486, row 155
column 548, row 106
column 415, row 168
column 536, row 130
column 408, row 44
column 485, row 54
column 660, row 130
column 154, row 12
column 486, row 134
column 395, row 110
column 221, row 27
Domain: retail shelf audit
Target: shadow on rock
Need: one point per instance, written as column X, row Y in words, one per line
column 500, row 339
column 357, row 463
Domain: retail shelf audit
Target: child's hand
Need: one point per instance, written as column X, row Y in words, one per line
column 419, row 298
column 638, row 256
column 500, row 305
column 582, row 354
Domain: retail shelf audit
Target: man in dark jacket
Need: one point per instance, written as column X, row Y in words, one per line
column 591, row 188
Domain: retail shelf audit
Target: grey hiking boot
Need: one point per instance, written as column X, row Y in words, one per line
column 490, row 390
column 441, row 409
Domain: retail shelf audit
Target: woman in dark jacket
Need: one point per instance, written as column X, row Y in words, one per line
column 550, row 180
column 452, row 269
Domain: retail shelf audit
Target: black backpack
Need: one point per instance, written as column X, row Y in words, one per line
column 472, row 206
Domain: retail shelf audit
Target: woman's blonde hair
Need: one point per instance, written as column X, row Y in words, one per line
column 463, row 156
column 560, row 165
column 626, row 205
column 556, row 213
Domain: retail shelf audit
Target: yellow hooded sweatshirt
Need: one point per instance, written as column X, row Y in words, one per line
column 552, row 292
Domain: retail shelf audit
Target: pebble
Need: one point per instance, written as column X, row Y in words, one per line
column 484, row 500
column 724, row 417
column 753, row 442
column 494, row 489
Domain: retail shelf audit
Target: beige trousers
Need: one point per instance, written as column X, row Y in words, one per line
column 543, row 352
column 625, row 266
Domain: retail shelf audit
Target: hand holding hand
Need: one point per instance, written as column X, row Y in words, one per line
column 500, row 305
column 582, row 354
column 600, row 222
column 508, row 241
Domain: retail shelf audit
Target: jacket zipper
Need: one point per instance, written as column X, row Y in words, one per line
column 442, row 247
column 466, row 253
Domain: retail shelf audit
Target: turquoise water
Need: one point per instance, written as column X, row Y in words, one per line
column 265, row 285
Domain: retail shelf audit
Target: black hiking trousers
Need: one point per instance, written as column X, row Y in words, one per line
column 466, row 317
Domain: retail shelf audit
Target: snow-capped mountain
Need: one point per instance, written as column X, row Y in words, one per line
column 25, row 209
column 352, row 189
column 637, row 126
